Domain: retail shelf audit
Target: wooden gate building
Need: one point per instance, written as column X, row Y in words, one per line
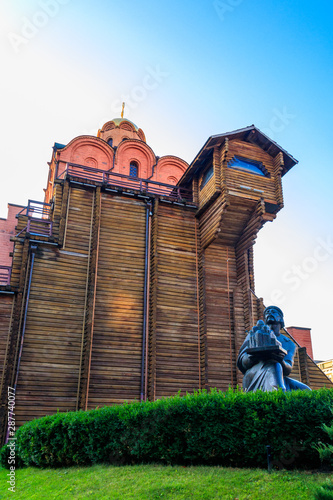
column 134, row 279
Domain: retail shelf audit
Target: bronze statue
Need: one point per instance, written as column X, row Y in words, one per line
column 266, row 357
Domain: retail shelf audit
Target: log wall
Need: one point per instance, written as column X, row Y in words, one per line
column 220, row 281
column 208, row 190
column 115, row 373
column 174, row 333
column 236, row 180
column 6, row 308
column 50, row 363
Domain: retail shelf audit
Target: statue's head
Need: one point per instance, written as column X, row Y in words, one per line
column 272, row 315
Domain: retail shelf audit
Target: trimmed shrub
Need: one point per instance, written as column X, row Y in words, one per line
column 227, row 428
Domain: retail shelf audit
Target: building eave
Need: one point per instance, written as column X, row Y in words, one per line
column 248, row 134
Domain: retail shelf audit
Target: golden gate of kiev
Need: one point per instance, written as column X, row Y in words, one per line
column 134, row 279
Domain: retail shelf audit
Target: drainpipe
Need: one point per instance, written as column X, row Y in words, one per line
column 33, row 249
column 153, row 168
column 56, row 170
column 113, row 161
column 114, row 158
column 144, row 357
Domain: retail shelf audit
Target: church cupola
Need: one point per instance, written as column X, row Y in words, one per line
column 119, row 129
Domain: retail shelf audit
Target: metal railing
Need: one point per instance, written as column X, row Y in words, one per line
column 39, row 227
column 5, row 273
column 36, row 210
column 39, row 222
column 145, row 186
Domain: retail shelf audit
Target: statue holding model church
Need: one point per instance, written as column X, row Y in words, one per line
column 266, row 357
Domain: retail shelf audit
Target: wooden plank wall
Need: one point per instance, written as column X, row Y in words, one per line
column 317, row 378
column 278, row 163
column 217, row 184
column 6, row 307
column 236, row 178
column 117, row 337
column 201, row 277
column 21, row 261
column 174, row 351
column 207, row 191
column 153, row 302
column 57, row 199
column 210, row 220
column 48, row 376
column 235, row 219
column 220, row 271
column 296, row 371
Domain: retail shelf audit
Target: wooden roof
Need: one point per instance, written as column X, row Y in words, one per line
column 248, row 134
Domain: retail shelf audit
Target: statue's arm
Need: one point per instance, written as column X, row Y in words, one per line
column 248, row 361
column 288, row 360
column 245, row 361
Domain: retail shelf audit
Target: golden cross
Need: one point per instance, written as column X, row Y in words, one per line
column 122, row 110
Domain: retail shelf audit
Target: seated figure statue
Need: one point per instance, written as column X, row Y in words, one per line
column 266, row 357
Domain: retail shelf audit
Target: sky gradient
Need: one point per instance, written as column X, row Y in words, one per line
column 187, row 70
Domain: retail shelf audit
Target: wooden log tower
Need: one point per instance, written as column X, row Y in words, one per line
column 134, row 279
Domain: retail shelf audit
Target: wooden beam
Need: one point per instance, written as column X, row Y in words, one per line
column 303, row 365
column 153, row 304
column 90, row 301
column 63, row 212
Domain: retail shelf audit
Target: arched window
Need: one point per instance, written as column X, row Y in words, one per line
column 246, row 165
column 110, row 141
column 134, row 169
column 207, row 176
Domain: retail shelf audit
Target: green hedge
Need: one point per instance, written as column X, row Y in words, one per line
column 325, row 491
column 228, row 428
column 325, row 450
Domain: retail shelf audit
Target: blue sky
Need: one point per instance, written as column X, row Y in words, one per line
column 187, row 70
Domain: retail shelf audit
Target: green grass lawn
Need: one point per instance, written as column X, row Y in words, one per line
column 148, row 482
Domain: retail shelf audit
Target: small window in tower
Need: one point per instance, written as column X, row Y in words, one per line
column 110, row 141
column 134, row 169
column 246, row 165
column 207, row 176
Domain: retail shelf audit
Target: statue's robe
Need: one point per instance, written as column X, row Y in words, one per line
column 268, row 374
